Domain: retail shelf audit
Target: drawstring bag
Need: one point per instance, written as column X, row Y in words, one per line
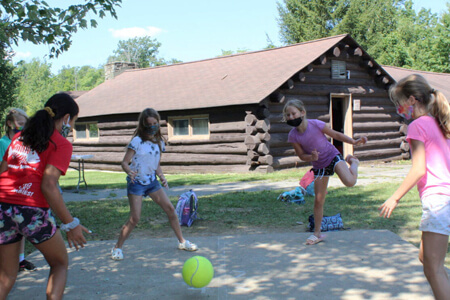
column 328, row 223
column 294, row 196
column 307, row 183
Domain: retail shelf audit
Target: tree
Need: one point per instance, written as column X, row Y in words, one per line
column 305, row 20
column 37, row 22
column 389, row 30
column 8, row 82
column 142, row 50
column 231, row 52
column 36, row 85
column 78, row 79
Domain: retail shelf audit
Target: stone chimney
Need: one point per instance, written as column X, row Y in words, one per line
column 113, row 69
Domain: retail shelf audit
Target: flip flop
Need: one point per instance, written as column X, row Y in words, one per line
column 312, row 240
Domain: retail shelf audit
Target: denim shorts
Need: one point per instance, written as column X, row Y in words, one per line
column 136, row 188
column 329, row 170
column 36, row 224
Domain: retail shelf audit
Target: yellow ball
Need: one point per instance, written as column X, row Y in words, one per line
column 197, row 271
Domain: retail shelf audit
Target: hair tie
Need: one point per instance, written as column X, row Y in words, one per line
column 50, row 111
column 432, row 91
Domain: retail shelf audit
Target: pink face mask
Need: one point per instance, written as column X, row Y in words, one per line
column 405, row 112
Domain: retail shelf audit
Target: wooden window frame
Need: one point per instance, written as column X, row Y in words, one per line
column 88, row 137
column 190, row 136
column 336, row 67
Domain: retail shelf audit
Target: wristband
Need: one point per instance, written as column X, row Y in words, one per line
column 69, row 226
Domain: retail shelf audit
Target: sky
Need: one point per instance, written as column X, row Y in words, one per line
column 188, row 30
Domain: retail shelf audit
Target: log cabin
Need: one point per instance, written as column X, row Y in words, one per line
column 225, row 114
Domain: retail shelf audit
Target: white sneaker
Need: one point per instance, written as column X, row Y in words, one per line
column 116, row 253
column 188, row 246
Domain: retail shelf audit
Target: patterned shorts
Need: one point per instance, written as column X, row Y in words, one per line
column 436, row 214
column 329, row 170
column 17, row 221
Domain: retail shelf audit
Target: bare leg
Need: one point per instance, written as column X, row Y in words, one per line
column 320, row 191
column 432, row 255
column 9, row 266
column 133, row 219
column 55, row 253
column 348, row 175
column 160, row 198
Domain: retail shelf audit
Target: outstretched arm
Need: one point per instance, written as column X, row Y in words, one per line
column 342, row 137
column 49, row 187
column 416, row 172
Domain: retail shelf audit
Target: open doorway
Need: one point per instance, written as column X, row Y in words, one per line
column 341, row 120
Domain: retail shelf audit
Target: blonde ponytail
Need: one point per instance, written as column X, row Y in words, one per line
column 439, row 108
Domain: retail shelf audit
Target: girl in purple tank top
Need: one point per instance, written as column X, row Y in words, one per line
column 310, row 143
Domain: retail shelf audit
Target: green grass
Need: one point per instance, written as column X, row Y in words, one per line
column 101, row 180
column 245, row 211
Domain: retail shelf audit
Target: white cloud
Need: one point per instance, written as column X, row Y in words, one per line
column 21, row 55
column 127, row 33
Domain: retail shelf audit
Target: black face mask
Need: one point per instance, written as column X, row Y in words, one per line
column 295, row 122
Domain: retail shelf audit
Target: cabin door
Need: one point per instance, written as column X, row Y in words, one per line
column 341, row 120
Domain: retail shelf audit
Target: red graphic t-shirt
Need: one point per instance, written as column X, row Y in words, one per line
column 20, row 184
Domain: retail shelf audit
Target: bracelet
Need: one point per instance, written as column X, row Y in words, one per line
column 69, row 226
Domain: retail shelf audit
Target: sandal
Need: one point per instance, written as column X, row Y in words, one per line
column 116, row 253
column 312, row 240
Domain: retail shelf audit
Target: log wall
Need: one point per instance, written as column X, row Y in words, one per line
column 224, row 151
column 376, row 119
column 254, row 137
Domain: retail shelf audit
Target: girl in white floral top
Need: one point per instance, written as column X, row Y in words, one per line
column 142, row 165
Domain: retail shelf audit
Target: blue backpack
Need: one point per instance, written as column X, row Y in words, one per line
column 294, row 196
column 186, row 209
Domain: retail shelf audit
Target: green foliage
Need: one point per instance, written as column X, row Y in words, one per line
column 231, row 52
column 79, row 79
column 37, row 22
column 8, row 83
column 389, row 30
column 35, row 85
column 305, row 20
column 142, row 50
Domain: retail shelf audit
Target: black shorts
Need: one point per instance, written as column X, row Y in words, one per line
column 329, row 170
column 37, row 224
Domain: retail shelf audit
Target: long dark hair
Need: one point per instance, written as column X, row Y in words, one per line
column 40, row 127
column 142, row 124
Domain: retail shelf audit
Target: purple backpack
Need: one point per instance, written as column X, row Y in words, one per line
column 187, row 208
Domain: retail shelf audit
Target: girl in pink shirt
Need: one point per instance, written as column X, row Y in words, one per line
column 429, row 140
column 310, row 144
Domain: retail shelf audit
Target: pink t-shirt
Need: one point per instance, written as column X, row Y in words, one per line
column 437, row 154
column 314, row 138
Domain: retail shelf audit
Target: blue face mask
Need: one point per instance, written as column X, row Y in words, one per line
column 65, row 129
column 152, row 129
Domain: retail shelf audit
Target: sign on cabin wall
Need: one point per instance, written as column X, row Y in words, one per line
column 356, row 104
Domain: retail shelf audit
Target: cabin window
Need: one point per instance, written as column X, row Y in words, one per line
column 194, row 127
column 338, row 69
column 85, row 131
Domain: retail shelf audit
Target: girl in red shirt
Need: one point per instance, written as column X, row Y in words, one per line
column 29, row 195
